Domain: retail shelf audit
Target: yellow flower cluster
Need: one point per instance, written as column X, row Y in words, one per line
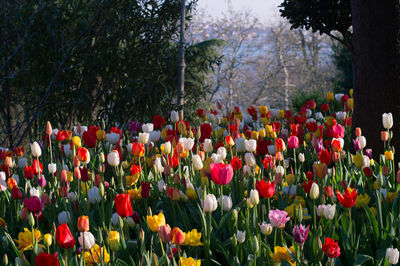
column 96, row 255
column 192, row 238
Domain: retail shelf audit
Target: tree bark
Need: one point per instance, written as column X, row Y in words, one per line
column 376, row 69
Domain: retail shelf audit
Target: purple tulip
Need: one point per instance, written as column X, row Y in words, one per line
column 42, row 181
column 134, row 126
column 357, row 145
column 300, row 233
column 368, row 152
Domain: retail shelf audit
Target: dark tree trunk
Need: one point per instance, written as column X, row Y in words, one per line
column 376, row 69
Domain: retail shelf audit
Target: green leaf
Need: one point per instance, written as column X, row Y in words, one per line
column 372, row 221
column 362, row 258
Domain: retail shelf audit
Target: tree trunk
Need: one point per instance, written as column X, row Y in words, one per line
column 376, row 69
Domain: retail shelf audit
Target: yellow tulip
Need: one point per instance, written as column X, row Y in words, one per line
column 113, row 240
column 155, row 221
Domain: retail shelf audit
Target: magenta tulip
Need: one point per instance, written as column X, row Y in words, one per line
column 293, row 142
column 34, row 204
column 221, row 173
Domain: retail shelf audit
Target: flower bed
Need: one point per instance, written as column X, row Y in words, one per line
column 257, row 188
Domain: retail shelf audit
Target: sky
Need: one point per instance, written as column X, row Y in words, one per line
column 265, row 10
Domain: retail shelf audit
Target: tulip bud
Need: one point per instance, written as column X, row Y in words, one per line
column 234, row 216
column 5, row 259
column 114, row 240
column 358, row 132
column 241, row 236
column 314, row 191
column 36, row 150
column 141, row 236
column 31, row 220
column 384, row 136
column 254, row 197
column 301, row 157
column 83, row 224
column 174, row 116
column 48, row 240
column 266, row 228
column 207, row 145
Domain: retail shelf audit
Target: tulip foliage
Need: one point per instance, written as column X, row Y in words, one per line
column 257, row 188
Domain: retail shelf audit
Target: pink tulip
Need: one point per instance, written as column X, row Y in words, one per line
column 164, row 233
column 221, row 173
column 278, row 218
column 293, row 142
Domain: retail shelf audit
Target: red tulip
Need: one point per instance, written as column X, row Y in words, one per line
column 145, row 189
column 173, row 193
column 90, row 138
column 177, row 236
column 35, row 167
column 328, row 191
column 236, row 163
column 33, row 204
column 265, row 189
column 221, row 173
column 269, row 162
column 64, row 237
column 348, row 199
column 123, row 205
column 205, row 130
column 325, row 156
column 331, row 248
column 279, row 145
column 307, row 185
column 28, row 172
column 44, row 259
column 16, row 193
column 158, row 121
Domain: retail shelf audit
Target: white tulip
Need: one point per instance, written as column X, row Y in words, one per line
column 280, row 170
column 52, row 168
column 129, row 147
column 36, row 150
column 158, row 166
column 197, row 163
column 144, row 137
column 266, row 228
column 167, row 147
column 86, row 240
column 174, row 116
column 67, row 150
column 240, row 144
column 207, row 145
column 22, row 163
column 94, row 195
column 339, row 96
column 113, row 158
column 254, row 197
column 216, row 158
column 147, row 128
column 250, row 160
column 115, row 218
column 188, row 143
column 222, row 152
column 161, row 185
column 210, row 203
column 155, row 136
column 314, row 191
column 387, row 120
column 341, row 115
column 320, row 210
column 319, row 116
column 271, row 149
column 329, row 211
column 363, row 141
column 301, row 157
column 64, row 217
column 241, row 236
column 251, row 145
column 113, row 138
column 34, row 192
column 393, row 255
column 79, row 130
column 3, row 183
column 226, row 202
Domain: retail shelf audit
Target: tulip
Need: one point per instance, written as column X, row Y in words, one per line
column 300, row 233
column 266, row 228
column 144, row 138
column 83, row 224
column 384, row 136
column 64, row 237
column 154, row 222
column 188, row 143
column 226, row 202
column 279, row 145
column 222, row 152
column 278, row 218
column 329, row 211
column 301, row 157
column 86, row 240
column 148, row 127
column 314, row 192
column 52, row 168
column 33, row 204
column 94, row 195
column 174, row 116
column 64, row 217
column 240, row 145
column 210, row 203
column 178, row 236
column 320, row 170
column 123, row 205
column 241, row 236
column 250, row 160
column 293, row 142
column 113, row 138
column 48, row 240
column 393, row 255
column 265, row 189
column 207, row 145
column 197, row 162
column 250, row 145
column 254, row 198
column 46, row 259
column 221, row 174
column 164, row 232
column 363, row 141
column 22, row 163
column 331, row 248
column 348, row 199
column 387, row 120
column 113, row 240
column 36, row 150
